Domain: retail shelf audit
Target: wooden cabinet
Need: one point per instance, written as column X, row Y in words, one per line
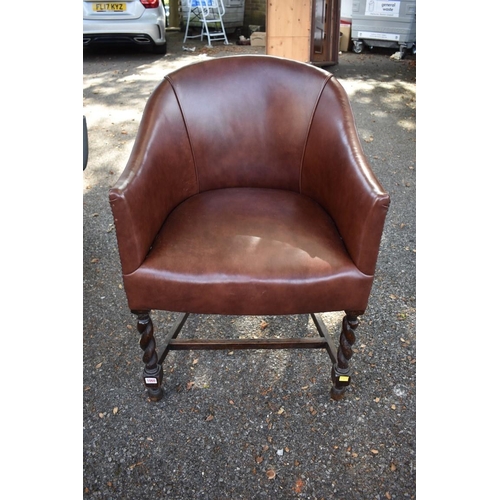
column 304, row 30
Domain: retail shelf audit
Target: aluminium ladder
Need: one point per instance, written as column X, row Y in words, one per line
column 207, row 12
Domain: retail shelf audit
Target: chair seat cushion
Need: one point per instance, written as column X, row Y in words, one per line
column 248, row 251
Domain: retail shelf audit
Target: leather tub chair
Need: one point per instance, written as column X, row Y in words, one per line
column 247, row 193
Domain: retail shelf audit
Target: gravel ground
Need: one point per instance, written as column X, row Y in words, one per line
column 249, row 424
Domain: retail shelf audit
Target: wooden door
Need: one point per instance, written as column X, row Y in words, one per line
column 326, row 32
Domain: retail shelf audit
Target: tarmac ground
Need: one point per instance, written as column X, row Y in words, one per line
column 249, row 424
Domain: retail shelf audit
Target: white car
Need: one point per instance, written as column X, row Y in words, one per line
column 127, row 22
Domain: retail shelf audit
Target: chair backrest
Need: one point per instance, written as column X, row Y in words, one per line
column 247, row 119
column 253, row 122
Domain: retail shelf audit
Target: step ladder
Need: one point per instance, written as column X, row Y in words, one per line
column 207, row 12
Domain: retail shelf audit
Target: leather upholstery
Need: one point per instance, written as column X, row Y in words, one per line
column 247, row 192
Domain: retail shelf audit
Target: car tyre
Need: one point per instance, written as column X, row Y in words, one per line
column 159, row 49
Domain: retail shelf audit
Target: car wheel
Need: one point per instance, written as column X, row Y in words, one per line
column 159, row 49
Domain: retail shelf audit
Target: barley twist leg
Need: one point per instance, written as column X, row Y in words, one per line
column 153, row 371
column 341, row 373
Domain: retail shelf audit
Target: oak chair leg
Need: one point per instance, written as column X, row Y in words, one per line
column 153, row 371
column 341, row 373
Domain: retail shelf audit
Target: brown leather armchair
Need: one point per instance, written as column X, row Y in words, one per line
column 247, row 193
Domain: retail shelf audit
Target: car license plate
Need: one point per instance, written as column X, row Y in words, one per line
column 109, row 7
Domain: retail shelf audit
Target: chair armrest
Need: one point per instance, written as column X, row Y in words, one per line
column 159, row 175
column 338, row 176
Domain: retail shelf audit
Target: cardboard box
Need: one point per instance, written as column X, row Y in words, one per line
column 345, row 37
column 258, row 39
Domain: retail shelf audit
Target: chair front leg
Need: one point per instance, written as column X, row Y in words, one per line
column 153, row 371
column 341, row 373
